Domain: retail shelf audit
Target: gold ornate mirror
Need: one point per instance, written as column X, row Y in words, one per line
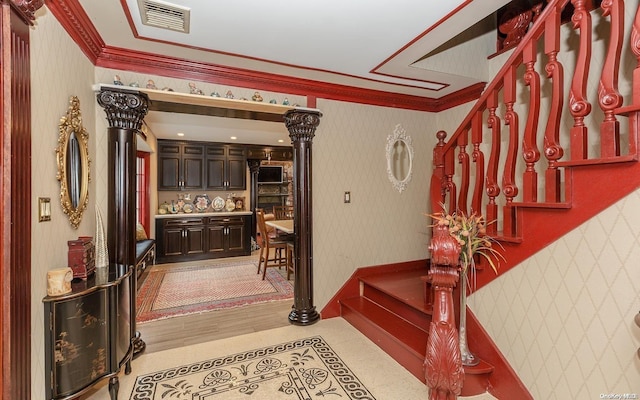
column 72, row 155
column 399, row 158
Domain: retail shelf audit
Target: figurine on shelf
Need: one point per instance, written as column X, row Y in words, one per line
column 229, row 94
column 193, row 89
column 273, row 101
column 167, row 89
column 134, row 84
column 256, row 96
column 285, row 102
column 151, row 84
column 117, row 80
column 215, row 94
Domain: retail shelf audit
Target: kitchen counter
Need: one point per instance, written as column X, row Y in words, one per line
column 204, row 214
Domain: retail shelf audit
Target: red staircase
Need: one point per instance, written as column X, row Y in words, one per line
column 523, row 157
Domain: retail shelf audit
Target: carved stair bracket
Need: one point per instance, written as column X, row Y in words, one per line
column 443, row 365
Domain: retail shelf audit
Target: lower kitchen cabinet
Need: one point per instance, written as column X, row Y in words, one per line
column 195, row 238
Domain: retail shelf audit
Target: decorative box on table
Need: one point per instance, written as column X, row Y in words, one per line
column 81, row 257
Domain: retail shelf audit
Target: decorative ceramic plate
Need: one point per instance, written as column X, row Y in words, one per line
column 218, row 204
column 201, row 202
column 188, row 208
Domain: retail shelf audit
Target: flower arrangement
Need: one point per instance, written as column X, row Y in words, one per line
column 471, row 233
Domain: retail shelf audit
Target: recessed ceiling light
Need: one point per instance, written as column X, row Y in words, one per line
column 233, row 138
column 180, row 134
column 280, row 141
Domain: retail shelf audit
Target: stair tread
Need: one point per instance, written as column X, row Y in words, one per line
column 412, row 336
column 406, row 286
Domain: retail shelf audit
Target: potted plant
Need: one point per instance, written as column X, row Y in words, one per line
column 470, row 233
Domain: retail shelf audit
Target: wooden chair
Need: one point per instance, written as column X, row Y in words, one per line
column 279, row 246
column 283, row 212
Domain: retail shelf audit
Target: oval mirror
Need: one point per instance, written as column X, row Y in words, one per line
column 72, row 155
column 399, row 158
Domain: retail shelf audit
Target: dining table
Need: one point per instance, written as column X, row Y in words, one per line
column 283, row 225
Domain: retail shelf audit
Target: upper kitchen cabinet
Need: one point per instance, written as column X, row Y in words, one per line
column 226, row 167
column 180, row 165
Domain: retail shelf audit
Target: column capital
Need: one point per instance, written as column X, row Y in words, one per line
column 125, row 110
column 302, row 124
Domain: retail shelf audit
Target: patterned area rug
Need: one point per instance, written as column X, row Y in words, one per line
column 304, row 369
column 171, row 291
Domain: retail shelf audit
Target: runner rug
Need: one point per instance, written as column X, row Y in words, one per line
column 304, row 369
column 171, row 291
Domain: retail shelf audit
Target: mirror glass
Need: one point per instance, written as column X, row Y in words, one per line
column 399, row 158
column 72, row 155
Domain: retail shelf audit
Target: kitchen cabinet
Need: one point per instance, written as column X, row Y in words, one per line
column 180, row 238
column 226, row 167
column 187, row 238
column 180, row 165
column 271, row 153
column 88, row 333
column 228, row 236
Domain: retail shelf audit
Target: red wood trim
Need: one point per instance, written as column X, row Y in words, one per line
column 504, row 382
column 16, row 201
column 76, row 22
column 463, row 160
column 579, row 104
column 553, row 151
column 351, row 288
column 530, row 151
column 478, row 160
column 493, row 188
column 608, row 95
column 145, row 214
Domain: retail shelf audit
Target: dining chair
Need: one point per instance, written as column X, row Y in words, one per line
column 279, row 245
column 283, row 212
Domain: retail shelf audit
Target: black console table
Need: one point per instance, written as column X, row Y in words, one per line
column 88, row 333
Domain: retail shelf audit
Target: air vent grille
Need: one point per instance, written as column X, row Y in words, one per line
column 164, row 15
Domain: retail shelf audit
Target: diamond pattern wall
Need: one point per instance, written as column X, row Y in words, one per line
column 564, row 317
column 58, row 70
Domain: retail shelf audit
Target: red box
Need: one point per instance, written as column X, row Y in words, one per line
column 81, row 258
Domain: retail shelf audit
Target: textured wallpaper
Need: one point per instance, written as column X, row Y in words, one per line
column 58, row 70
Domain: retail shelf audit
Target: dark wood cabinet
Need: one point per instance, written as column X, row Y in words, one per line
column 226, row 167
column 272, row 153
column 89, row 334
column 228, row 236
column 180, row 165
column 189, row 238
column 181, row 237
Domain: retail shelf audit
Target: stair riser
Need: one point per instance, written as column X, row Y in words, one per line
column 408, row 358
column 416, row 317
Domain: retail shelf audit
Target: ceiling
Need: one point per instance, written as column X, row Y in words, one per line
column 357, row 44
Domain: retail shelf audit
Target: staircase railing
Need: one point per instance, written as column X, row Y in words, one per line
column 524, row 111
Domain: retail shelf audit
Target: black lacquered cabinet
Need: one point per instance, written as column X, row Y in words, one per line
column 89, row 334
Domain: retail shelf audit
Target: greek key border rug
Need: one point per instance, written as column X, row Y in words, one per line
column 304, row 369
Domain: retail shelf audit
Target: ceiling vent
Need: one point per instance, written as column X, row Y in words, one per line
column 161, row 14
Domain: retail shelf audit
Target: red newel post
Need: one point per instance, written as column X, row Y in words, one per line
column 443, row 365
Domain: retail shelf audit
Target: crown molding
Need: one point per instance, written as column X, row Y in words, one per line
column 78, row 25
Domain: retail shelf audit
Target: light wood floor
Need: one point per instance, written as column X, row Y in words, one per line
column 218, row 324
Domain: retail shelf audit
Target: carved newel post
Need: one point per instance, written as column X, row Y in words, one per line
column 125, row 113
column 302, row 125
column 443, row 365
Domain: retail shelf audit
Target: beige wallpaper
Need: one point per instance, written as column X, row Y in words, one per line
column 58, row 70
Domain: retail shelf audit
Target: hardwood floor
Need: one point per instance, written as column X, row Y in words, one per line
column 218, row 324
